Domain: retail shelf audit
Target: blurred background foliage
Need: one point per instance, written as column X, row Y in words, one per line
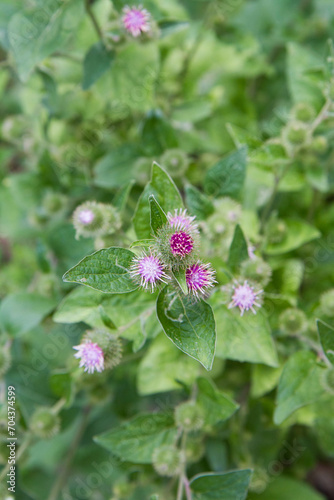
column 85, row 109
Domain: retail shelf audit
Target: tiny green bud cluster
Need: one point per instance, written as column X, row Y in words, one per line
column 44, row 423
column 293, row 321
column 168, row 461
column 189, row 416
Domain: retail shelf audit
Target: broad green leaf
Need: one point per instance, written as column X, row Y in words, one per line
column 283, row 488
column 35, row 32
column 166, row 194
column 264, row 379
column 298, row 233
column 228, row 486
column 157, row 216
column 62, row 385
column 180, row 277
column 244, row 338
column 169, row 27
column 324, row 427
column 326, row 335
column 164, row 367
column 238, row 250
column 121, row 197
column 300, row 62
column 136, row 439
column 116, row 168
column 157, row 134
column 142, row 243
column 189, row 325
column 227, row 177
column 301, row 383
column 106, row 270
column 97, row 61
column 198, row 203
column 21, row 312
column 215, row 404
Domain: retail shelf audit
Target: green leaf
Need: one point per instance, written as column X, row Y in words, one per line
column 180, row 277
column 300, row 384
column 106, row 270
column 198, row 203
column 326, row 335
column 238, row 250
column 62, row 385
column 264, row 379
column 34, row 33
column 303, row 88
column 298, row 233
column 97, row 61
column 244, row 338
column 169, row 27
column 136, row 440
column 190, row 326
column 116, row 168
column 158, row 216
column 121, row 197
column 165, row 193
column 228, row 486
column 106, row 320
column 157, row 134
column 282, row 488
column 142, row 243
column 21, row 312
column 164, row 367
column 216, row 405
column 227, row 177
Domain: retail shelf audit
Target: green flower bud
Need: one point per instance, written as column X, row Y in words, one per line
column 227, row 213
column 327, row 303
column 260, row 480
column 189, row 416
column 295, row 133
column 54, row 203
column 92, row 219
column 175, row 161
column 256, row 270
column 168, row 461
column 44, row 423
column 293, row 321
column 276, row 231
column 303, row 112
column 319, row 144
column 110, row 345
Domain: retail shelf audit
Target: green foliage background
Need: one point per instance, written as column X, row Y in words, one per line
column 234, row 99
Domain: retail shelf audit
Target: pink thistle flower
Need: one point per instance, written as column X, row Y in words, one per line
column 200, row 277
column 92, row 357
column 149, row 270
column 181, row 243
column 86, row 216
column 245, row 298
column 180, row 220
column 136, row 20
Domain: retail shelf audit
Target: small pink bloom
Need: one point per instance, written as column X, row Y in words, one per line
column 181, row 243
column 200, row 277
column 149, row 270
column 86, row 216
column 245, row 298
column 136, row 20
column 91, row 355
column 180, row 220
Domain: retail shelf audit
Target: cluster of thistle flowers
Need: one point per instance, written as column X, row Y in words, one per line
column 175, row 248
column 92, row 219
column 99, row 350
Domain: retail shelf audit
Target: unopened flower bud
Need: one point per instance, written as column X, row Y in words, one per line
column 276, row 231
column 303, row 112
column 92, row 219
column 189, row 416
column 295, row 133
column 256, row 270
column 54, row 203
column 167, row 460
column 319, row 144
column 44, row 423
column 175, row 161
column 293, row 321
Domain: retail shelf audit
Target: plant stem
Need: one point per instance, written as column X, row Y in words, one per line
column 187, row 487
column 65, row 468
column 96, row 25
column 321, row 116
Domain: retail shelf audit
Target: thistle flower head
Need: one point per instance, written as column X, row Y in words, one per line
column 136, row 20
column 110, row 345
column 149, row 270
column 200, row 277
column 91, row 356
column 180, row 220
column 245, row 297
column 92, row 219
column 181, row 243
column 86, row 216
